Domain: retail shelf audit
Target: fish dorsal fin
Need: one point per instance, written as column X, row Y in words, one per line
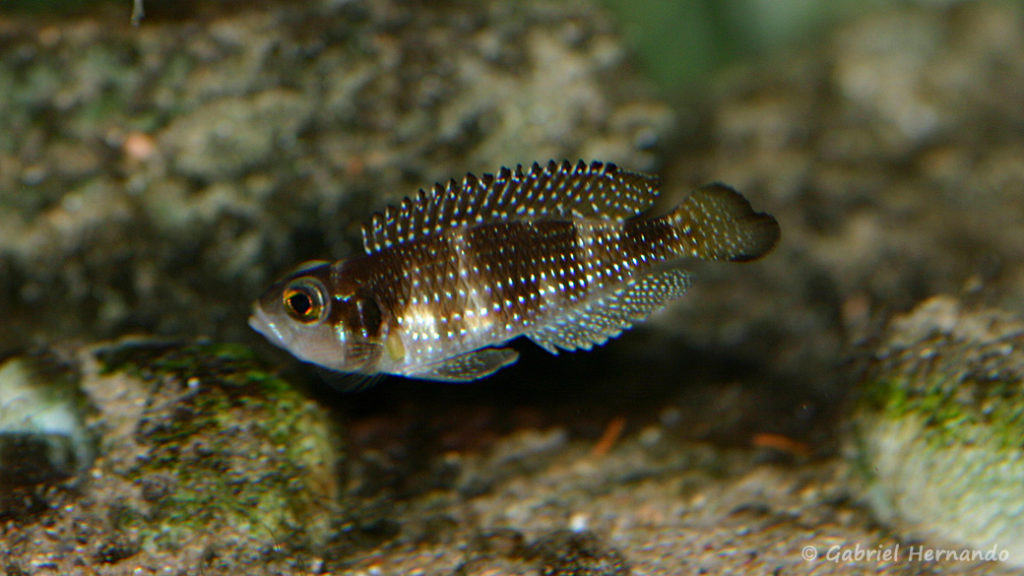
column 552, row 191
column 593, row 324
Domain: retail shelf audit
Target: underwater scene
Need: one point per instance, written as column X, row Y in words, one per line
column 511, row 287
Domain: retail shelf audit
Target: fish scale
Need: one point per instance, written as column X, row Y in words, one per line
column 560, row 253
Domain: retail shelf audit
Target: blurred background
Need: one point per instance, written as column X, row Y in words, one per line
column 679, row 43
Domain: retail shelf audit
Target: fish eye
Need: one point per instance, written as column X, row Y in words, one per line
column 304, row 301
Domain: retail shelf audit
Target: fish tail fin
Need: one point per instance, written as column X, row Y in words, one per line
column 718, row 223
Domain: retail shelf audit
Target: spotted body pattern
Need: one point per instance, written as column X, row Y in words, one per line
column 560, row 253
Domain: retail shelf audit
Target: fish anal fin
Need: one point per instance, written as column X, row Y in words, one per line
column 543, row 192
column 469, row 366
column 605, row 318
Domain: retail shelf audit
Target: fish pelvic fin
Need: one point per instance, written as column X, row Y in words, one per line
column 717, row 223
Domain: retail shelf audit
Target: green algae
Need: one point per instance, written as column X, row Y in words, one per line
column 229, row 443
column 957, row 406
column 938, row 427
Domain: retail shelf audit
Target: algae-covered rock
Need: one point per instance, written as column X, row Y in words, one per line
column 222, row 442
column 203, row 457
column 939, row 429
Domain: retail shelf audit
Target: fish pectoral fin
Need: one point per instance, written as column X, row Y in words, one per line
column 469, row 366
column 606, row 317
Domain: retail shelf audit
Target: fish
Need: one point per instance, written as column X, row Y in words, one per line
column 563, row 254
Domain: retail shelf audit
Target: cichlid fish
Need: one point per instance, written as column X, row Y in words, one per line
column 560, row 254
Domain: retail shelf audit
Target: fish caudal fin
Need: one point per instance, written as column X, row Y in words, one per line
column 718, row 223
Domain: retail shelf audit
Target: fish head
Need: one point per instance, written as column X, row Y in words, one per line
column 321, row 315
column 294, row 314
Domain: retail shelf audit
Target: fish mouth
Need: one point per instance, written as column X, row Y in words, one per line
column 259, row 322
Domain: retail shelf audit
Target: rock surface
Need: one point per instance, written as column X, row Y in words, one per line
column 158, row 178
column 203, row 459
